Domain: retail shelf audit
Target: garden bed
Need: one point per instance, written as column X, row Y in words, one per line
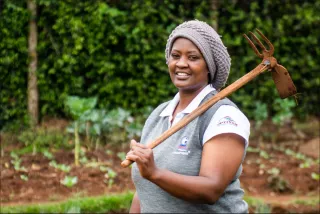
column 278, row 174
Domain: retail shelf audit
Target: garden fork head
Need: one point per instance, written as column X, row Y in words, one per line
column 279, row 73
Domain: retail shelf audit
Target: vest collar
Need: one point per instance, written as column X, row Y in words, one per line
column 168, row 111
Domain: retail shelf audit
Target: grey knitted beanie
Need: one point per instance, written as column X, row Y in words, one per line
column 210, row 45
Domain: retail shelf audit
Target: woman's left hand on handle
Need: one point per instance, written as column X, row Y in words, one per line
column 143, row 156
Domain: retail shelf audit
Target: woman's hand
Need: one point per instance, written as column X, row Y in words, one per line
column 143, row 156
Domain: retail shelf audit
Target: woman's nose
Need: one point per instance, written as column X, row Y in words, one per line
column 182, row 62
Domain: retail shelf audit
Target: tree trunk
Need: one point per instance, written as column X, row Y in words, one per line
column 33, row 94
column 215, row 14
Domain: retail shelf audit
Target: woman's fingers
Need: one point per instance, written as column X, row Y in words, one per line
column 139, row 159
column 136, row 144
column 133, row 157
column 143, row 156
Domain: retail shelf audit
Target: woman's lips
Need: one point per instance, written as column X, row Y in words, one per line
column 182, row 75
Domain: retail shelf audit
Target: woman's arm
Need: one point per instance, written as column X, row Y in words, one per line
column 135, row 205
column 221, row 158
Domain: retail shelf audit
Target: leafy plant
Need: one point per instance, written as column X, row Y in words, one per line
column 17, row 162
column 264, row 154
column 277, row 182
column 315, row 176
column 79, row 108
column 283, row 110
column 121, row 155
column 260, row 113
column 62, row 167
column 24, row 177
column 110, row 176
column 69, row 181
column 123, row 48
column 263, row 208
column 47, row 154
column 274, row 171
column 41, row 139
column 251, row 149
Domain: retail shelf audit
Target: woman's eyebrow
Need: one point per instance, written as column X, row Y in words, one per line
column 192, row 51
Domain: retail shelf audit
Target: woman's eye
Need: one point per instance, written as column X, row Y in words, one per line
column 193, row 57
column 175, row 56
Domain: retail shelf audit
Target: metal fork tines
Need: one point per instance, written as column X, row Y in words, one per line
column 265, row 53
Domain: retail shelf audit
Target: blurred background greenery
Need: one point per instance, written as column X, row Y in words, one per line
column 114, row 50
column 101, row 70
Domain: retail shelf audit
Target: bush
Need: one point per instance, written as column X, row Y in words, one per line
column 115, row 50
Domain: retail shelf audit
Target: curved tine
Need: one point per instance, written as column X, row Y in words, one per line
column 271, row 48
column 253, row 46
column 258, row 41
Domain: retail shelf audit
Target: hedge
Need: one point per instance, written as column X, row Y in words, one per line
column 115, row 50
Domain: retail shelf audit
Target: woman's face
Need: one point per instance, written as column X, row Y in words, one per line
column 187, row 67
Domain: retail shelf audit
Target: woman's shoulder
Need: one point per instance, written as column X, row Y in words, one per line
column 160, row 108
column 231, row 111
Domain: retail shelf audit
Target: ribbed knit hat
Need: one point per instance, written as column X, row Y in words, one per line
column 209, row 43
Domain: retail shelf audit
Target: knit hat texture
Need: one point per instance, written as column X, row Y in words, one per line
column 209, row 43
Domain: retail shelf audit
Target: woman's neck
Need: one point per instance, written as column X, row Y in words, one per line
column 186, row 98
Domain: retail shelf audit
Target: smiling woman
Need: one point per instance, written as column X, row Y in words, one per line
column 197, row 169
column 187, row 67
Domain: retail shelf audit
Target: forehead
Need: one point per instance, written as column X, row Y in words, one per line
column 184, row 44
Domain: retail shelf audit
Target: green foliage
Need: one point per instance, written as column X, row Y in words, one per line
column 13, row 58
column 277, row 182
column 114, row 50
column 110, row 176
column 16, row 162
column 80, row 107
column 69, row 181
column 263, row 208
column 47, row 154
column 291, row 27
column 101, row 204
column 315, row 176
column 98, row 124
column 283, row 110
column 260, row 113
column 62, row 167
column 41, row 139
column 24, row 177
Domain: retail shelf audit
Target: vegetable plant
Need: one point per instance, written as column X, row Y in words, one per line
column 24, row 177
column 62, row 167
column 16, row 162
column 79, row 108
column 69, row 181
column 315, row 176
column 110, row 175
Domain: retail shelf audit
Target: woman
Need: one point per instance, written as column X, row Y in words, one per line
column 197, row 168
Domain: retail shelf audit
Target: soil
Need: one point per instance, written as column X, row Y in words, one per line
column 268, row 173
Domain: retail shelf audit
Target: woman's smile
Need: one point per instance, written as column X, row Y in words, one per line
column 182, row 75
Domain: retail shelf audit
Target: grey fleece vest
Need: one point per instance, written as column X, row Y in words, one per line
column 181, row 153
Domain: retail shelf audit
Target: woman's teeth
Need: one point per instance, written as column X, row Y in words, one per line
column 182, row 74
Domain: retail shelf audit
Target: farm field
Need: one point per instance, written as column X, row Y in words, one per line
column 283, row 175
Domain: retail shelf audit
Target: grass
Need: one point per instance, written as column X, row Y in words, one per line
column 100, row 204
column 260, row 206
column 307, row 202
column 121, row 203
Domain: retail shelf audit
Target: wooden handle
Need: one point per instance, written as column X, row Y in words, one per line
column 126, row 163
column 205, row 106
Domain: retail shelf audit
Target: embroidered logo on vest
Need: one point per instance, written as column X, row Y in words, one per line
column 182, row 148
column 227, row 121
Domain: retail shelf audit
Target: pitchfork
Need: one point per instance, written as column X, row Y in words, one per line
column 280, row 77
